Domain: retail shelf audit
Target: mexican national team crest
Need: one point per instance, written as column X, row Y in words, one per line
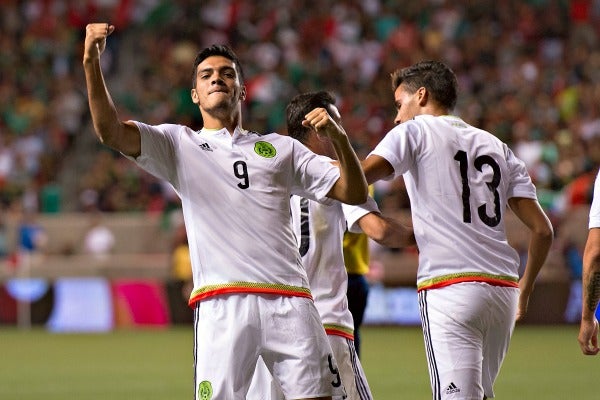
column 264, row 149
column 205, row 391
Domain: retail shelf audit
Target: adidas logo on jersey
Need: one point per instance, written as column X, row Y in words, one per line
column 205, row 147
column 452, row 388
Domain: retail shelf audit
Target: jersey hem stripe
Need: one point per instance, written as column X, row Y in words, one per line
column 247, row 287
column 447, row 280
column 338, row 330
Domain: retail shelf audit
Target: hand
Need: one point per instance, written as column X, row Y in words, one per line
column 320, row 120
column 522, row 306
column 95, row 40
column 588, row 337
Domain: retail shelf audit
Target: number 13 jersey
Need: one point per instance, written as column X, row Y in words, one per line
column 459, row 179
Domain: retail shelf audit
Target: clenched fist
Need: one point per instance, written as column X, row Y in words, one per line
column 95, row 40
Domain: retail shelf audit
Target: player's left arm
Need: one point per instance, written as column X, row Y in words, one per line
column 351, row 187
column 533, row 216
column 376, row 168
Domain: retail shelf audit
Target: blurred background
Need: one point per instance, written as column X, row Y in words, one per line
column 83, row 228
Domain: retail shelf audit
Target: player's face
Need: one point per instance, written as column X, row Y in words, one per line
column 217, row 85
column 408, row 104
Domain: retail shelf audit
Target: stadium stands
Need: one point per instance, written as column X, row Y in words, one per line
column 528, row 72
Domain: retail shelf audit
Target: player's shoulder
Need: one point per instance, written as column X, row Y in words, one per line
column 277, row 139
column 165, row 129
column 163, row 126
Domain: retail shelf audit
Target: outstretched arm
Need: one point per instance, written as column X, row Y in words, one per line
column 387, row 231
column 588, row 330
column 530, row 212
column 121, row 136
column 351, row 187
column 376, row 168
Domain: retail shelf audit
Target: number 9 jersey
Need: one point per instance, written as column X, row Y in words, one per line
column 459, row 179
column 235, row 191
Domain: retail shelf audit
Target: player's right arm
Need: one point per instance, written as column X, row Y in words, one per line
column 588, row 330
column 111, row 131
column 386, row 231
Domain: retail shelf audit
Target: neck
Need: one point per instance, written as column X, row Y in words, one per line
column 218, row 125
column 228, row 121
column 436, row 111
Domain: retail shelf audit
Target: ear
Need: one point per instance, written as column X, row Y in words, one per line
column 422, row 96
column 243, row 93
column 194, row 95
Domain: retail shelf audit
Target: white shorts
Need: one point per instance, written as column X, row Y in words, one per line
column 467, row 329
column 352, row 375
column 232, row 331
column 350, row 368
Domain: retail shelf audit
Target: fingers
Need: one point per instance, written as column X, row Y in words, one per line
column 589, row 350
column 99, row 31
column 588, row 338
column 587, row 346
column 322, row 122
column 317, row 118
column 95, row 39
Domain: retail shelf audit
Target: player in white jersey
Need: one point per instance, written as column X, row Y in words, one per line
column 588, row 330
column 460, row 180
column 320, row 229
column 251, row 294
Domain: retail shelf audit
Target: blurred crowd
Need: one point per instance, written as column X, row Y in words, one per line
column 529, row 72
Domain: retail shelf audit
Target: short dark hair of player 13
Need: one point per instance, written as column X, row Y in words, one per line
column 301, row 105
column 435, row 76
column 217, row 50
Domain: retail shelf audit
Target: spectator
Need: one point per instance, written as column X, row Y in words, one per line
column 98, row 241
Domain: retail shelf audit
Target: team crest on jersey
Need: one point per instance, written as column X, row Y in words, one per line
column 264, row 149
column 205, row 391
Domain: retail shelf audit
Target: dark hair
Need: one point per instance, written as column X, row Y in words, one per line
column 435, row 76
column 217, row 50
column 301, row 105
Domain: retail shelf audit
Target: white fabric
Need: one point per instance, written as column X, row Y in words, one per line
column 465, row 347
column 429, row 152
column 232, row 331
column 232, row 197
column 321, row 248
column 352, row 375
column 350, row 369
column 594, row 221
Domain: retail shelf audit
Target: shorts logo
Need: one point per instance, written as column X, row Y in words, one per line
column 452, row 388
column 205, row 391
column 264, row 149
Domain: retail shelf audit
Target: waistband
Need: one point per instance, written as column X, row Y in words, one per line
column 248, row 287
column 339, row 330
column 451, row 279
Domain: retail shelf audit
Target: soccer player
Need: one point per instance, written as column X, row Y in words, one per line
column 588, row 330
column 357, row 256
column 320, row 229
column 460, row 180
column 251, row 295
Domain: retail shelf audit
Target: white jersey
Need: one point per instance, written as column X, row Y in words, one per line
column 235, row 192
column 320, row 231
column 459, row 179
column 594, row 221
